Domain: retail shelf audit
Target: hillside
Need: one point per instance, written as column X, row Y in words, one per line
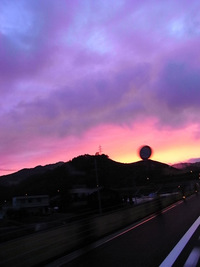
column 188, row 166
column 18, row 177
column 84, row 171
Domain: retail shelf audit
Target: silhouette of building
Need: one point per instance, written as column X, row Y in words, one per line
column 38, row 203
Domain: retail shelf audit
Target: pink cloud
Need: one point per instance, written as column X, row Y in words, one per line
column 77, row 67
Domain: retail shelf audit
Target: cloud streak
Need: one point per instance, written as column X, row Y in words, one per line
column 68, row 68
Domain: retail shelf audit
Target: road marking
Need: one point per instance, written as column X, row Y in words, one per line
column 173, row 255
column 193, row 258
column 73, row 255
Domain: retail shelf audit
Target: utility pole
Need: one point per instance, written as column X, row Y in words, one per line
column 98, row 189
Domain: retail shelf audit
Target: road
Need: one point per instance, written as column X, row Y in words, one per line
column 147, row 243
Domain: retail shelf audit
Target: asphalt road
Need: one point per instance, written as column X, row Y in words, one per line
column 145, row 244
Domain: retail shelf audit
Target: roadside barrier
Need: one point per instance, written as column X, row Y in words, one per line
column 48, row 245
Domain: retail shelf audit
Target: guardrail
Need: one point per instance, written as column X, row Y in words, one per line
column 47, row 245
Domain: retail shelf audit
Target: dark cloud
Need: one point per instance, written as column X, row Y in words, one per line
column 180, row 86
column 68, row 67
column 177, row 93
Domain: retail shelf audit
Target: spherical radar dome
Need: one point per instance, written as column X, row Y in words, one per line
column 145, row 152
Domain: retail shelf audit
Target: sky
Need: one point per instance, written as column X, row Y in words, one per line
column 85, row 76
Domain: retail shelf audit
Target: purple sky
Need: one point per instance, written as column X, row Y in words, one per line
column 78, row 74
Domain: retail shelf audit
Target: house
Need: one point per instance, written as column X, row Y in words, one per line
column 80, row 193
column 33, row 204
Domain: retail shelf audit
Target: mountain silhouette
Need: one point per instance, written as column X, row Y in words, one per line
column 84, row 171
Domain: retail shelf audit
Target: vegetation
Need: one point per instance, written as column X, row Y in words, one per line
column 56, row 180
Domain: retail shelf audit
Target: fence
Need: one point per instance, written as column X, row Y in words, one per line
column 48, row 245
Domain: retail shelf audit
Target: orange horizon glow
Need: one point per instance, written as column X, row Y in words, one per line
column 122, row 144
column 71, row 85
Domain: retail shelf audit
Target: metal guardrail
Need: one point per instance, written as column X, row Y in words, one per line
column 47, row 245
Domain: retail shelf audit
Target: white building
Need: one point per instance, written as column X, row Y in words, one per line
column 31, row 203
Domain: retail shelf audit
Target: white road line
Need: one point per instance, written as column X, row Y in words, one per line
column 73, row 255
column 173, row 255
column 192, row 260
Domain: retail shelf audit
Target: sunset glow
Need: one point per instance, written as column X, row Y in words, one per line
column 82, row 74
